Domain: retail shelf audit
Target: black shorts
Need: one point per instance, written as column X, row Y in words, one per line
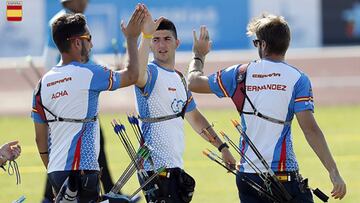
column 87, row 183
column 172, row 186
column 248, row 194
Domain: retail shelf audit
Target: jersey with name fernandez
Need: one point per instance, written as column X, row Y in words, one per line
column 163, row 94
column 72, row 91
column 277, row 90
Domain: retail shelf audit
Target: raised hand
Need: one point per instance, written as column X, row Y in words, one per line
column 202, row 45
column 133, row 28
column 150, row 26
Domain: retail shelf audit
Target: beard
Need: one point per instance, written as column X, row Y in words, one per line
column 85, row 54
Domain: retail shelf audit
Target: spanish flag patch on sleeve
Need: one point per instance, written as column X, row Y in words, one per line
column 304, row 99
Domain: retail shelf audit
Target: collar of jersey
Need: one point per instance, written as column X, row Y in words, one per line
column 166, row 69
column 71, row 63
column 270, row 60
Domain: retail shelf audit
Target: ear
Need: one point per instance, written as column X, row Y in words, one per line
column 263, row 44
column 177, row 43
column 77, row 43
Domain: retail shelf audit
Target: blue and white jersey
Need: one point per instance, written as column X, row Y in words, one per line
column 277, row 90
column 164, row 94
column 72, row 91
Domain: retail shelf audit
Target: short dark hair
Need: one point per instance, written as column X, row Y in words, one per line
column 274, row 30
column 66, row 26
column 166, row 24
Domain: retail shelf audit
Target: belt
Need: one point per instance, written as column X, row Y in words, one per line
column 287, row 176
column 170, row 172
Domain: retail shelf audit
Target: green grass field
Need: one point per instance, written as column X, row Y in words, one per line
column 340, row 126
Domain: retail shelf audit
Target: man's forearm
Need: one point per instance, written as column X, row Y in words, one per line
column 318, row 143
column 133, row 64
column 41, row 139
column 199, row 123
column 208, row 133
column 197, row 82
column 196, row 65
column 43, row 150
column 45, row 160
column 144, row 51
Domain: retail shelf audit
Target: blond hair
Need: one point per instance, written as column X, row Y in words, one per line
column 272, row 29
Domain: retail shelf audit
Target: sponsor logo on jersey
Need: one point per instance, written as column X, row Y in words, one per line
column 171, row 89
column 59, row 81
column 266, row 75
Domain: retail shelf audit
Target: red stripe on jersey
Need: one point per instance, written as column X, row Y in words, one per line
column 299, row 99
column 76, row 161
column 38, row 107
column 218, row 78
column 282, row 161
column 110, row 81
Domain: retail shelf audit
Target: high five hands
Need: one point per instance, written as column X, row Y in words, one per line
column 201, row 45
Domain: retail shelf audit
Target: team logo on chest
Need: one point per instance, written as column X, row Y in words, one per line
column 177, row 105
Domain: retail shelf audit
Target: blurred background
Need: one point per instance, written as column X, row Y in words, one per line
column 325, row 42
column 325, row 45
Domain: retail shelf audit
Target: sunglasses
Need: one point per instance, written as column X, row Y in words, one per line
column 87, row 37
column 256, row 42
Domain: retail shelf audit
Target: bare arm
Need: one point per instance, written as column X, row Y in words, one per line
column 148, row 30
column 129, row 75
column 196, row 79
column 199, row 123
column 144, row 51
column 316, row 140
column 41, row 138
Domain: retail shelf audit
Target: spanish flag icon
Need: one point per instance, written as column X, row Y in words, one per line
column 14, row 10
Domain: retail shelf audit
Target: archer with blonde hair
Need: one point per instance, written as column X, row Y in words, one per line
column 268, row 93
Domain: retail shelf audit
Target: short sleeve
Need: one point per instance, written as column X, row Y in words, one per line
column 152, row 72
column 37, row 112
column 223, row 83
column 191, row 103
column 303, row 95
column 104, row 79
